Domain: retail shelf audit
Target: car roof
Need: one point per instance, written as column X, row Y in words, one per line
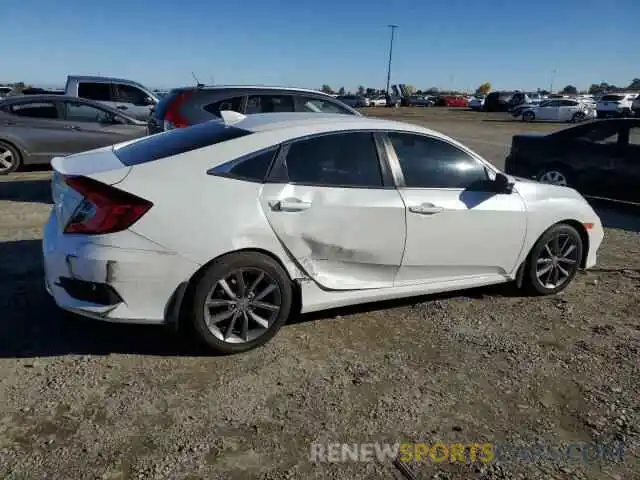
column 323, row 122
column 250, row 87
column 98, row 78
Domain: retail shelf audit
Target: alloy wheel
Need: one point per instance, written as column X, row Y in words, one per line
column 6, row 159
column 554, row 177
column 558, row 261
column 243, row 305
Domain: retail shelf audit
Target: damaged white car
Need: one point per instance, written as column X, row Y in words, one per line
column 236, row 225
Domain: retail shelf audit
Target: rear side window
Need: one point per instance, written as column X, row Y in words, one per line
column 95, row 91
column 35, row 110
column 175, row 142
column 215, row 108
column 269, row 104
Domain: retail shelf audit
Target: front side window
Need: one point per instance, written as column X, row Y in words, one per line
column 319, row 105
column 234, row 104
column 81, row 112
column 95, row 91
column 432, row 163
column 634, row 136
column 336, row 160
column 269, row 103
column 130, row 94
column 35, row 110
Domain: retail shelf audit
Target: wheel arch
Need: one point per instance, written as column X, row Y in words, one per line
column 584, row 236
column 176, row 310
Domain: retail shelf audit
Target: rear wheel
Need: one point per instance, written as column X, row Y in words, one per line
column 10, row 158
column 554, row 175
column 241, row 302
column 554, row 260
column 578, row 117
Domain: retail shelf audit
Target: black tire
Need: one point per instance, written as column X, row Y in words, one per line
column 532, row 283
column 15, row 155
column 561, row 169
column 578, row 117
column 221, row 269
column 528, row 117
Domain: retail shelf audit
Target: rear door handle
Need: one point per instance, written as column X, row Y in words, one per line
column 426, row 209
column 289, row 205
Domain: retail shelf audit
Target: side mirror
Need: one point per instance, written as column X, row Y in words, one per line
column 148, row 101
column 502, row 183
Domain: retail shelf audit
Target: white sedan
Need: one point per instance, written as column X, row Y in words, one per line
column 237, row 225
column 559, row 110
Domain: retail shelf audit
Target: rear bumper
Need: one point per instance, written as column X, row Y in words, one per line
column 129, row 285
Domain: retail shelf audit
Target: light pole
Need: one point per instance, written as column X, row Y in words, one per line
column 393, row 30
column 553, row 77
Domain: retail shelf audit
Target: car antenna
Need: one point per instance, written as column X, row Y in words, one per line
column 198, row 84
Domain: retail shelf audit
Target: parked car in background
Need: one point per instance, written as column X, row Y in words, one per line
column 36, row 128
column 188, row 106
column 303, row 214
column 378, row 102
column 421, row 101
column 616, row 105
column 4, row 91
column 598, row 158
column 132, row 98
column 635, row 106
column 457, row 101
column 477, row 103
column 354, row 101
column 559, row 111
column 498, row 102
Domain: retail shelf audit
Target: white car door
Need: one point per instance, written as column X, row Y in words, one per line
column 456, row 227
column 335, row 212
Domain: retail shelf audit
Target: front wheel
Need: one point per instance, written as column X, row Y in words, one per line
column 241, row 302
column 578, row 117
column 554, row 260
column 554, row 176
column 10, row 158
column 528, row 117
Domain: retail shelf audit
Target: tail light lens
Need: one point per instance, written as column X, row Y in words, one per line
column 172, row 117
column 104, row 209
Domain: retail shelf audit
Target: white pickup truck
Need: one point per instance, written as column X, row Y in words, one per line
column 131, row 97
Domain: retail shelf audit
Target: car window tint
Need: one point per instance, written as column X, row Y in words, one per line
column 81, row 112
column 95, row 91
column 432, row 163
column 215, row 108
column 254, row 168
column 336, row 160
column 602, row 133
column 35, row 110
column 319, row 105
column 130, row 94
column 634, row 136
column 269, row 103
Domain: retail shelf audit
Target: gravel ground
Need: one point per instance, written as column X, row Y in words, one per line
column 81, row 399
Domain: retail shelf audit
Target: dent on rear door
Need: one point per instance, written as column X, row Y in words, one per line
column 347, row 238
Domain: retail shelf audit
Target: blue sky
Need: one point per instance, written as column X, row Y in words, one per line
column 442, row 43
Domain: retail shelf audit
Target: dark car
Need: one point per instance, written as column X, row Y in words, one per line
column 183, row 107
column 503, row 101
column 600, row 159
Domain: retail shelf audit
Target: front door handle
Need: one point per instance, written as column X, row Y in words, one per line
column 289, row 205
column 426, row 209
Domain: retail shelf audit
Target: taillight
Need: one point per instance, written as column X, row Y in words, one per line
column 172, row 117
column 104, row 209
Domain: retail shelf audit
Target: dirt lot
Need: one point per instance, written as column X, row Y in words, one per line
column 87, row 400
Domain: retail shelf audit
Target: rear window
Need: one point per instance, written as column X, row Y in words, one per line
column 612, row 98
column 175, row 142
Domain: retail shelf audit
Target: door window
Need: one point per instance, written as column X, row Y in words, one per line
column 81, row 112
column 269, row 103
column 215, row 108
column 431, row 163
column 319, row 105
column 95, row 91
column 634, row 136
column 336, row 160
column 35, row 110
column 130, row 94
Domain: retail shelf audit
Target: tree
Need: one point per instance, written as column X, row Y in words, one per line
column 569, row 90
column 326, row 89
column 341, row 91
column 361, row 91
column 410, row 89
column 635, row 83
column 484, row 88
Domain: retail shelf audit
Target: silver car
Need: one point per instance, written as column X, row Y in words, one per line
column 36, row 128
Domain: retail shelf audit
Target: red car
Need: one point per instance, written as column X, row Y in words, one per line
column 454, row 101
